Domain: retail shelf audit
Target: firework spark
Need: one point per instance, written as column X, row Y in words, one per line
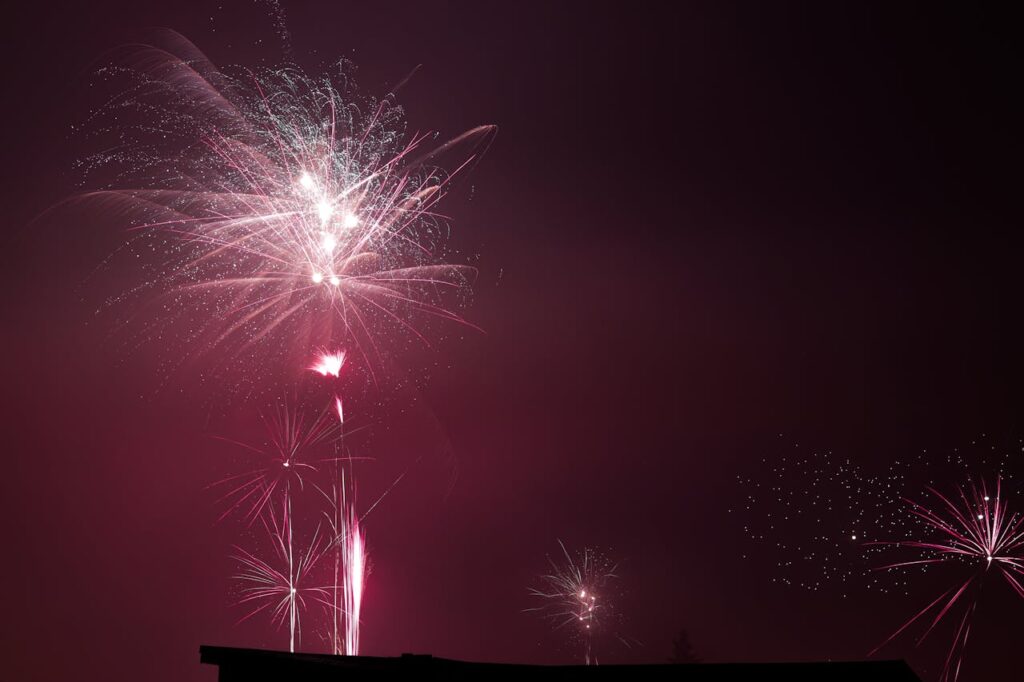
column 339, row 409
column 328, row 364
column 292, row 210
column 973, row 529
column 574, row 594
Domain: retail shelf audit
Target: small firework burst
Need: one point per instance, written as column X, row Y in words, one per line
column 283, row 583
column 282, row 461
column 328, row 364
column 575, row 594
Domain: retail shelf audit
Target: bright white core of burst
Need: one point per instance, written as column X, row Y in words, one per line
column 325, row 209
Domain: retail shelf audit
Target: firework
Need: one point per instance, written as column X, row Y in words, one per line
column 292, row 210
column 282, row 461
column 328, row 364
column 281, row 212
column 350, row 569
column 827, row 520
column 975, row 530
column 574, row 594
column 282, row 584
column 817, row 515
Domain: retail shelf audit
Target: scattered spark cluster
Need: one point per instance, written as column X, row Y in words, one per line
column 829, row 520
column 977, row 530
column 815, row 514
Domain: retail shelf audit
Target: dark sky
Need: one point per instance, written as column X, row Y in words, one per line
column 701, row 225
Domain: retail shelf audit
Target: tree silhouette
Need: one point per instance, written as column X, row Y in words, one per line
column 682, row 650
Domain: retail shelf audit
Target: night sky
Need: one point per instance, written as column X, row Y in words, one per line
column 698, row 228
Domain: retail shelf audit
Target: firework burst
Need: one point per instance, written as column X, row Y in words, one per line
column 282, row 462
column 975, row 529
column 293, row 212
column 574, row 594
column 282, row 584
column 328, row 364
column 833, row 522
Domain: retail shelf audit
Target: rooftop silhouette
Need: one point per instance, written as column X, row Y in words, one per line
column 258, row 665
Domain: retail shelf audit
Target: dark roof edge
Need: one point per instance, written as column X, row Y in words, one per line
column 219, row 655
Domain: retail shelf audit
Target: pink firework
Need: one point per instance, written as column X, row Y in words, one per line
column 349, row 551
column 339, row 409
column 293, row 211
column 282, row 463
column 282, row 584
column 353, row 549
column 574, row 594
column 328, row 364
column 974, row 529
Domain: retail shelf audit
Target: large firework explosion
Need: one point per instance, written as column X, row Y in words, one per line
column 277, row 212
